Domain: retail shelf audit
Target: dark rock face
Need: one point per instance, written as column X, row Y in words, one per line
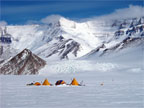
column 73, row 47
column 62, row 47
column 22, row 64
column 119, row 33
column 132, row 27
column 130, row 32
column 95, row 50
column 124, row 44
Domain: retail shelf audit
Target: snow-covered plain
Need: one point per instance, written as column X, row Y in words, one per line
column 111, row 83
column 120, row 90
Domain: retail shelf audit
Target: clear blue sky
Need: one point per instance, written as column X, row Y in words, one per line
column 20, row 11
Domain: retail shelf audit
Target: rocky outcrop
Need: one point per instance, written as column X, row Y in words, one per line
column 22, row 64
column 128, row 42
column 129, row 33
column 130, row 27
column 93, row 52
column 62, row 47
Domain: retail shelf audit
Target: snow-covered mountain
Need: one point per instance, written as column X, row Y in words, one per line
column 129, row 33
column 63, row 38
column 61, row 31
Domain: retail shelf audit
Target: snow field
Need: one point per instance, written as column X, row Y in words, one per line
column 119, row 90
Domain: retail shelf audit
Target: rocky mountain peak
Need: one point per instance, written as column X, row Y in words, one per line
column 23, row 63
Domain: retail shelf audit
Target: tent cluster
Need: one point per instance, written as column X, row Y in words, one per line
column 59, row 82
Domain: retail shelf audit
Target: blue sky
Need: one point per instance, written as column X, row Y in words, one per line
column 21, row 11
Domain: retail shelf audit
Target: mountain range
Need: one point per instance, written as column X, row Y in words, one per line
column 61, row 38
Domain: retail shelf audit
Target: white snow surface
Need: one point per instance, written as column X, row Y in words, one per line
column 120, row 90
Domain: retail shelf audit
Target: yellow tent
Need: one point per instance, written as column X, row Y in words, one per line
column 46, row 82
column 74, row 82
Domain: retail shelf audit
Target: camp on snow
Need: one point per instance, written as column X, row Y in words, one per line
column 74, row 82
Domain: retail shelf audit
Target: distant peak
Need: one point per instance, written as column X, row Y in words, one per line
column 58, row 21
column 23, row 63
column 24, row 54
column 26, row 50
column 52, row 19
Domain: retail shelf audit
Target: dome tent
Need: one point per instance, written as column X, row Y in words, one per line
column 60, row 82
column 37, row 84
